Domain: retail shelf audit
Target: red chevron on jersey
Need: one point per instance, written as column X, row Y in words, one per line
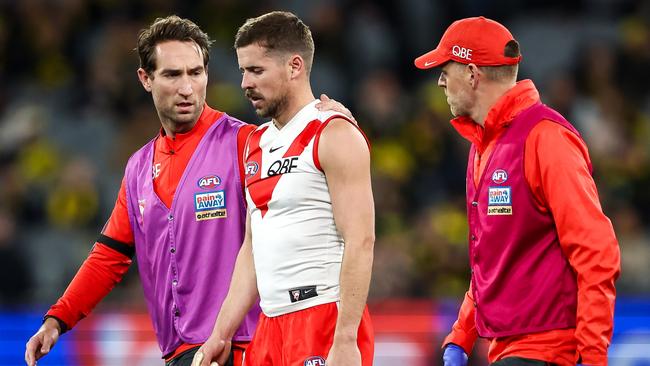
column 253, row 157
column 261, row 189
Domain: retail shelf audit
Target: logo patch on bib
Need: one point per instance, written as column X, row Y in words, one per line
column 209, row 182
column 499, row 176
column 210, row 205
column 499, row 201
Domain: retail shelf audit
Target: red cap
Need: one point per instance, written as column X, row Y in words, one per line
column 478, row 40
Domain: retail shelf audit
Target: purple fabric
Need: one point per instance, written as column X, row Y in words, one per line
column 186, row 264
column 521, row 280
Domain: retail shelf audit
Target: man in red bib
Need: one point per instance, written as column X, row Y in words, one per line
column 543, row 255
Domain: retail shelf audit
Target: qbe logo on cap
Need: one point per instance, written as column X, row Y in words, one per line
column 462, row 52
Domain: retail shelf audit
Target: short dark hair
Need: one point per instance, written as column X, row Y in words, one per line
column 504, row 72
column 171, row 28
column 278, row 31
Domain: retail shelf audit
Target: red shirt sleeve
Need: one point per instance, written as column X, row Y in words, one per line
column 105, row 266
column 118, row 226
column 463, row 332
column 557, row 170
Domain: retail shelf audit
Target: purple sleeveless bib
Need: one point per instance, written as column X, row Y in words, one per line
column 186, row 254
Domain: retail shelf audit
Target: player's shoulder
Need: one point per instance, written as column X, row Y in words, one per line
column 337, row 128
column 233, row 122
column 549, row 132
column 263, row 126
column 313, row 113
column 247, row 129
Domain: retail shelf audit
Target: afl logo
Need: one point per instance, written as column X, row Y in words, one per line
column 499, row 176
column 209, row 182
column 251, row 168
column 314, row 361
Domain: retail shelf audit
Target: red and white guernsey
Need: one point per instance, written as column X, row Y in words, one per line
column 296, row 247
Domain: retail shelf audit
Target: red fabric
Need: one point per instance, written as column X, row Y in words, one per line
column 118, row 226
column 475, row 40
column 260, row 189
column 463, row 332
column 173, row 153
column 171, row 169
column 242, row 137
column 292, row 339
column 97, row 276
column 237, row 350
column 320, row 132
column 104, row 266
column 180, row 349
column 556, row 168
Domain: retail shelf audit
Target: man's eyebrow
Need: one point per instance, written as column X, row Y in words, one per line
column 170, row 71
column 174, row 71
column 250, row 68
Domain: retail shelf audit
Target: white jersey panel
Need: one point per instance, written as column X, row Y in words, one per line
column 296, row 247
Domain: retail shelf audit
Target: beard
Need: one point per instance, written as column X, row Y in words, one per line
column 273, row 107
column 179, row 122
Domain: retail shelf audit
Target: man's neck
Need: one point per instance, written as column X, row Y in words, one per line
column 171, row 128
column 487, row 99
column 296, row 103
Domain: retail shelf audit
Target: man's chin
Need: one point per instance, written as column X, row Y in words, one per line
column 456, row 113
column 186, row 117
column 263, row 113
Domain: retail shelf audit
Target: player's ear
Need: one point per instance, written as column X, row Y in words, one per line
column 296, row 65
column 145, row 79
column 474, row 75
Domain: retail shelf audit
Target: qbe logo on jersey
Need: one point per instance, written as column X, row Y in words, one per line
column 210, row 205
column 499, row 201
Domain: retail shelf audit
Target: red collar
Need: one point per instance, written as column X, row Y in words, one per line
column 521, row 96
column 170, row 145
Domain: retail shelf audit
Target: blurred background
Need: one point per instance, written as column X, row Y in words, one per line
column 72, row 111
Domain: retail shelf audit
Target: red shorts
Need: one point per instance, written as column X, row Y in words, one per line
column 303, row 338
column 238, row 349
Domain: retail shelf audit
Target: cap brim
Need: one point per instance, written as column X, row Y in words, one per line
column 431, row 59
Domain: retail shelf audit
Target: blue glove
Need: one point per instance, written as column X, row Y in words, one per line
column 454, row 356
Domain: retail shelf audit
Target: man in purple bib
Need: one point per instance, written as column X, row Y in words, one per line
column 180, row 208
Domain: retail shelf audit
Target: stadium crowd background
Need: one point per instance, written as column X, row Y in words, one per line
column 72, row 111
